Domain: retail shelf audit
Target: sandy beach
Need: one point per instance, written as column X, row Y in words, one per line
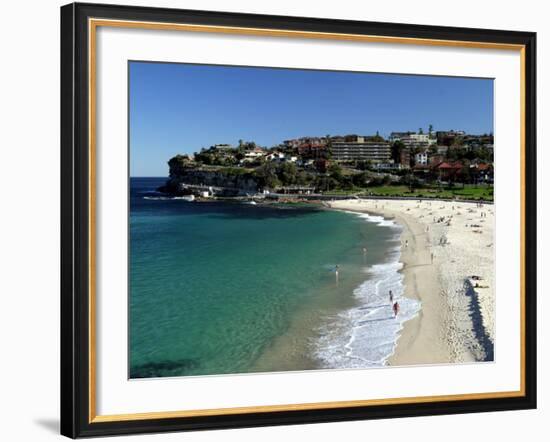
column 448, row 256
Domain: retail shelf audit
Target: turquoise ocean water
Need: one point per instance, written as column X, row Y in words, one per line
column 218, row 288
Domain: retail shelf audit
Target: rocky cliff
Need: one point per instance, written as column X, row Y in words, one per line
column 224, row 180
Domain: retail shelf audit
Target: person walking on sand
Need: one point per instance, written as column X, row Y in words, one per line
column 391, row 297
column 406, row 243
column 395, row 309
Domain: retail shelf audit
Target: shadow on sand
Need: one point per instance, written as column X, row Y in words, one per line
column 477, row 320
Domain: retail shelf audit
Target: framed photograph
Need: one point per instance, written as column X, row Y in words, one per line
column 274, row 220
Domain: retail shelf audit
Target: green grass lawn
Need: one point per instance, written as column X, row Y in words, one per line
column 341, row 192
column 481, row 192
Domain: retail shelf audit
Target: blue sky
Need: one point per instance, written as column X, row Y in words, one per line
column 179, row 108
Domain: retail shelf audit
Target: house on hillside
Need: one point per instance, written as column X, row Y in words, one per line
column 312, row 149
column 449, row 171
column 252, row 155
column 448, row 137
column 421, row 158
column 275, row 156
column 435, row 160
column 305, row 163
column 482, row 172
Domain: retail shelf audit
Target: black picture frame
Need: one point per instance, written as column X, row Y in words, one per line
column 75, row 221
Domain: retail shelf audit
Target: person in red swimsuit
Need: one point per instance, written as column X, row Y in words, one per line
column 395, row 308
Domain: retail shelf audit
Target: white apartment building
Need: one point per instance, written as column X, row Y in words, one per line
column 421, row 158
column 412, row 139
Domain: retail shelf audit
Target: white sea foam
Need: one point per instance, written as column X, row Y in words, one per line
column 376, row 219
column 157, row 198
column 166, row 198
column 366, row 335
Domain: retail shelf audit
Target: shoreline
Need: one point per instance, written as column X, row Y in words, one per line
column 443, row 330
column 420, row 341
column 333, row 329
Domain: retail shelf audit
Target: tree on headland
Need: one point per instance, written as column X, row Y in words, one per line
column 484, row 154
column 361, row 179
column 304, row 178
column 458, row 141
column 329, row 147
column 364, row 164
column 376, row 137
column 325, row 183
column 396, row 149
column 466, row 174
column 267, row 175
column 287, row 174
column 335, row 171
column 410, row 180
column 205, row 157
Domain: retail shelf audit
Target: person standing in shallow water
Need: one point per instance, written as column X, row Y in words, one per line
column 395, row 309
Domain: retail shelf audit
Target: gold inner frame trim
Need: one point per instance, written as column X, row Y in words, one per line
column 93, row 24
column 298, row 34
